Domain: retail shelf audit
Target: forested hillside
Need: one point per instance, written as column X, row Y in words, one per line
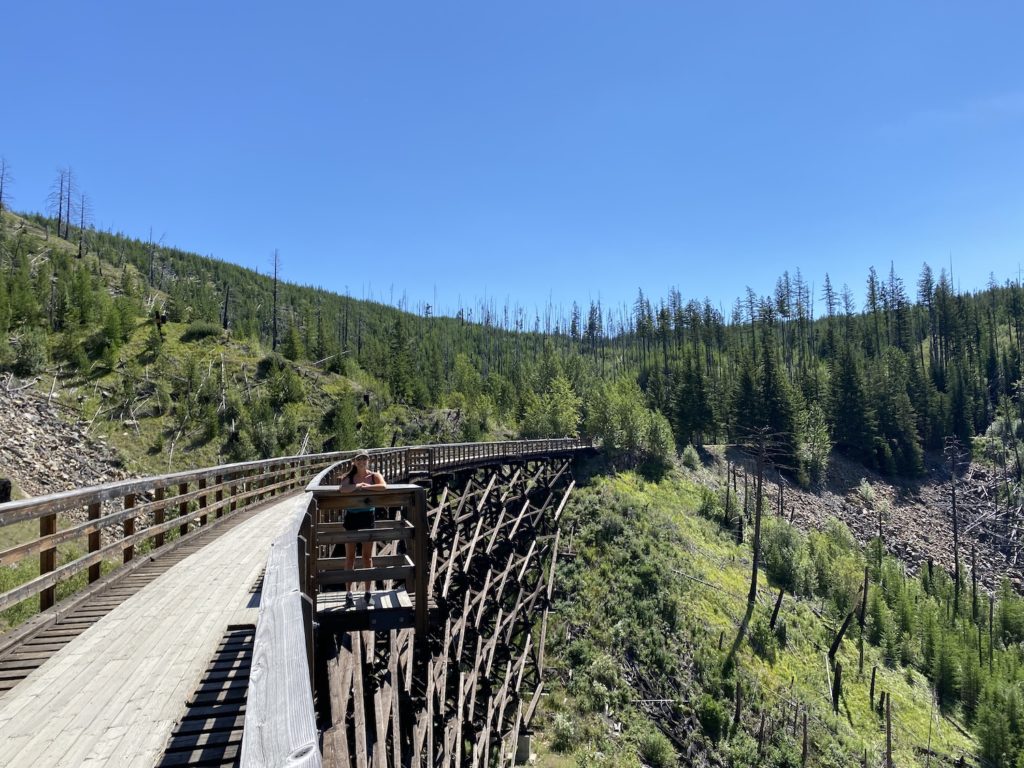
column 883, row 378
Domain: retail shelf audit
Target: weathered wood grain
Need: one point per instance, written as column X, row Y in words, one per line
column 280, row 722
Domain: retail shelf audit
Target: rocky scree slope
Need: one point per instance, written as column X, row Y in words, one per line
column 42, row 453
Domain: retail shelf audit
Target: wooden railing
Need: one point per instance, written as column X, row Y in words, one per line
column 402, row 464
column 136, row 514
column 145, row 513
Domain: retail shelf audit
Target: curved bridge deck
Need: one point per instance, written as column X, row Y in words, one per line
column 113, row 695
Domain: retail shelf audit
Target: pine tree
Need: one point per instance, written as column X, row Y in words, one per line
column 853, row 420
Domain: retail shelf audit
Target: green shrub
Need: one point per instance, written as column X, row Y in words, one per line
column 200, row 329
column 714, row 718
column 610, row 526
column 762, row 640
column 32, row 355
column 285, row 386
column 781, row 632
column 563, row 738
column 709, row 504
column 656, row 750
column 690, row 458
column 785, row 554
column 6, row 353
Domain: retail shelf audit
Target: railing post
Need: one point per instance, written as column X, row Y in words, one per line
column 183, row 508
column 94, row 541
column 219, row 496
column 158, row 517
column 129, row 528
column 419, row 518
column 201, row 484
column 47, row 560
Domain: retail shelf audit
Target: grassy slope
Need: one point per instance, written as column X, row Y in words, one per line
column 657, row 584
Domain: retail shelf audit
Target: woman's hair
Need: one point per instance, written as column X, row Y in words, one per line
column 350, row 475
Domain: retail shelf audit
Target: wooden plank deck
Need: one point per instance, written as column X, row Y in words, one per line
column 113, row 695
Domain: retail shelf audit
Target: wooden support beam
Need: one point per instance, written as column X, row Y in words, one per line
column 129, row 528
column 359, row 711
column 94, row 541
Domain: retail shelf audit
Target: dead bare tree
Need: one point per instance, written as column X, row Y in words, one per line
column 276, row 262
column 764, row 444
column 5, row 184
column 61, row 200
column 84, row 220
column 224, row 319
column 55, row 200
column 954, row 454
column 70, row 193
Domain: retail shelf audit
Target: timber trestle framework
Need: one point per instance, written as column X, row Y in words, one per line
column 434, row 655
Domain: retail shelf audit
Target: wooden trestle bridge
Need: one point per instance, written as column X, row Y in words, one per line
column 207, row 617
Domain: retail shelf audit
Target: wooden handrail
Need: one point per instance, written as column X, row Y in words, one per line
column 173, row 502
column 280, row 720
column 200, row 493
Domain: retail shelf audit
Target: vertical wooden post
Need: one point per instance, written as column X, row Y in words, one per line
column 872, row 695
column 94, row 541
column 880, row 546
column 418, row 513
column 201, row 484
column 47, row 560
column 991, row 614
column 888, row 732
column 974, row 583
column 739, row 704
column 746, row 493
column 862, row 618
column 158, row 517
column 183, row 508
column 219, row 496
column 803, row 751
column 728, row 470
column 129, row 528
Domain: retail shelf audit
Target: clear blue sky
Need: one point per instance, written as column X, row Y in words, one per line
column 534, row 150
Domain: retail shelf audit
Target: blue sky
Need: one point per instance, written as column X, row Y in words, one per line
column 534, row 151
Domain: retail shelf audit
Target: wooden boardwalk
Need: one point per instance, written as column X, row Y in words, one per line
column 112, row 696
